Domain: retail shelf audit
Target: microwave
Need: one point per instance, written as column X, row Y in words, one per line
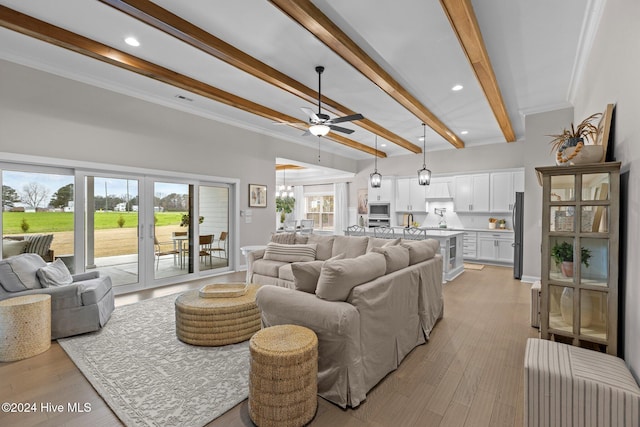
column 379, row 210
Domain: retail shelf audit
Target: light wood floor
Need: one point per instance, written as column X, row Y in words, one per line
column 470, row 373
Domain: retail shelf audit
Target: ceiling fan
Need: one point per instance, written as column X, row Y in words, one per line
column 321, row 123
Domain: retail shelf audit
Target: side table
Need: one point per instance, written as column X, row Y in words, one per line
column 26, row 326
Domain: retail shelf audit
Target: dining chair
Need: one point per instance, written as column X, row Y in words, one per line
column 355, row 230
column 384, row 232
column 414, row 233
column 159, row 251
column 306, row 226
column 206, row 242
column 222, row 245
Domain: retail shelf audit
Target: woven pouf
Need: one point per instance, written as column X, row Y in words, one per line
column 25, row 326
column 283, row 383
column 217, row 321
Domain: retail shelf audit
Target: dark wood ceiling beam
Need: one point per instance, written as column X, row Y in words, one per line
column 57, row 36
column 311, row 18
column 163, row 20
column 465, row 25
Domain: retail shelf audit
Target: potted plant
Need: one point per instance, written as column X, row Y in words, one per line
column 562, row 253
column 184, row 221
column 285, row 205
column 502, row 223
column 576, row 136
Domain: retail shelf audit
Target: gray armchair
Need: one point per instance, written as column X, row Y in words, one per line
column 83, row 306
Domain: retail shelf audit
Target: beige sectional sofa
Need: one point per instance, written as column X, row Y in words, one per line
column 370, row 301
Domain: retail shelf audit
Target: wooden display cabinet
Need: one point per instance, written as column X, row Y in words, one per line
column 580, row 212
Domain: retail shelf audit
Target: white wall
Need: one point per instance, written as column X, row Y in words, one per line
column 611, row 76
column 46, row 115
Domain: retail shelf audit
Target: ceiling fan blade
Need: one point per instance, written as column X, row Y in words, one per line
column 341, row 129
column 313, row 116
column 306, row 133
column 346, row 118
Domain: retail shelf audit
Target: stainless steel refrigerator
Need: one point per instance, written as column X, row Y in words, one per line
column 517, row 217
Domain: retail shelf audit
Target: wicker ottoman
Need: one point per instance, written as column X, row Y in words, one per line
column 25, row 326
column 217, row 321
column 283, row 383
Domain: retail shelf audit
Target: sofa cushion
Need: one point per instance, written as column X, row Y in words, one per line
column 284, row 238
column 338, row 277
column 285, row 273
column 300, row 239
column 396, row 257
column 54, row 274
column 306, row 274
column 39, row 244
column 8, row 279
column 94, row 290
column 267, row 267
column 350, row 246
column 290, row 253
column 421, row 250
column 25, row 266
column 324, row 245
column 13, row 247
column 378, row 242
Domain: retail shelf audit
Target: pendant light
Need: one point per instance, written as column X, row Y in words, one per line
column 284, row 189
column 424, row 174
column 375, row 178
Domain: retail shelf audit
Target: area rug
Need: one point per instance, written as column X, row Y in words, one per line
column 469, row 266
column 150, row 378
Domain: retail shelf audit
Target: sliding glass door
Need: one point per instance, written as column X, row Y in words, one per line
column 141, row 231
column 111, row 227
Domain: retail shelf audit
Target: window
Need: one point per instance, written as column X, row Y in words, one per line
column 319, row 208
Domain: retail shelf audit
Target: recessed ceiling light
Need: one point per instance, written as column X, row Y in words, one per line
column 421, row 138
column 132, row 41
column 383, row 145
column 457, row 88
column 464, row 132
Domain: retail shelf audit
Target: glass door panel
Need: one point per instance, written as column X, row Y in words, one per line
column 562, row 188
column 562, row 218
column 213, row 209
column 111, row 237
column 595, row 261
column 595, row 186
column 593, row 314
column 561, row 308
column 38, row 206
column 172, row 229
column 562, row 259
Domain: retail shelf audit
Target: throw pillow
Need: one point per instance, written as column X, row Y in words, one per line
column 39, row 244
column 325, row 245
column 25, row 267
column 290, row 253
column 339, row 277
column 396, row 257
column 420, row 250
column 306, row 274
column 13, row 247
column 54, row 274
column 8, row 279
column 351, row 246
column 284, row 238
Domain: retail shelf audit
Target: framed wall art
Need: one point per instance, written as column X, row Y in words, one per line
column 257, row 196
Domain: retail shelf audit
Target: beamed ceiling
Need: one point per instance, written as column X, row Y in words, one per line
column 252, row 63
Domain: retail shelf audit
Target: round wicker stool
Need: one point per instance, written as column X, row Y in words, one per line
column 283, row 382
column 217, row 321
column 25, row 326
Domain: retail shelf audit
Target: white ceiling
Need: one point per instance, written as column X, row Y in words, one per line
column 533, row 46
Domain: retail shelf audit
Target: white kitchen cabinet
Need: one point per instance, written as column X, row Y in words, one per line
column 470, row 245
column 503, row 188
column 410, row 196
column 384, row 193
column 471, row 193
column 495, row 247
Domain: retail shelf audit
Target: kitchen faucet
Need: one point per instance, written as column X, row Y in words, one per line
column 440, row 212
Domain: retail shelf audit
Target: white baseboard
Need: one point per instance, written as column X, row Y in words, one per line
column 529, row 279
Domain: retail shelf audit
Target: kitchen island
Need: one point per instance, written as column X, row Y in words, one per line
column 451, row 243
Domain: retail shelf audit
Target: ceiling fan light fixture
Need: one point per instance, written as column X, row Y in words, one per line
column 375, row 179
column 319, row 130
column 424, row 174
